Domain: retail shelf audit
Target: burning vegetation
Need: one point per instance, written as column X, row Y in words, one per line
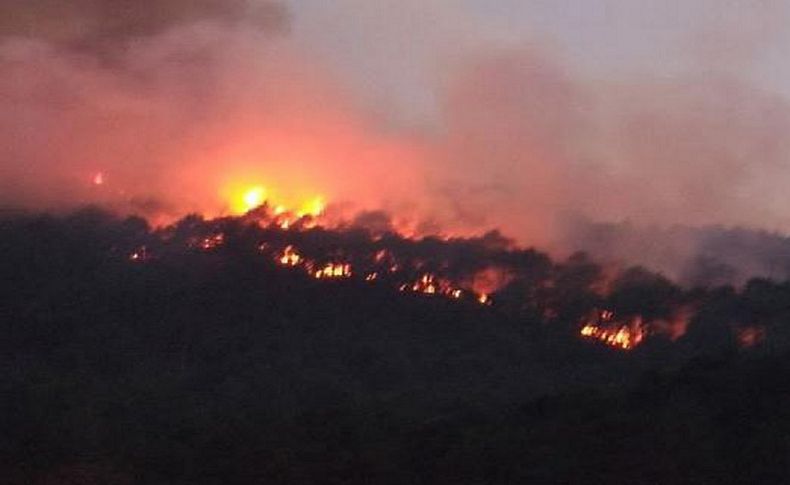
column 624, row 310
column 621, row 334
column 332, row 319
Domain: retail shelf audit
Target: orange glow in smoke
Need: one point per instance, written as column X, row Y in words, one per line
column 314, row 207
column 254, row 198
column 243, row 198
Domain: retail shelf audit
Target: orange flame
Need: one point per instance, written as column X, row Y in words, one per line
column 620, row 335
column 289, row 257
column 334, row 270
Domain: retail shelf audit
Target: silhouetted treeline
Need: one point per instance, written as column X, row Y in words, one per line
column 694, row 256
column 218, row 366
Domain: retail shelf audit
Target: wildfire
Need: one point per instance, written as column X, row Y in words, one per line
column 212, row 242
column 98, row 179
column 621, row 335
column 289, row 257
column 394, row 269
column 246, row 198
column 242, row 199
column 429, row 284
column 254, row 198
column 379, row 267
column 333, row 270
column 312, row 208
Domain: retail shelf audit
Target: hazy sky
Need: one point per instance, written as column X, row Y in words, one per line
column 395, row 47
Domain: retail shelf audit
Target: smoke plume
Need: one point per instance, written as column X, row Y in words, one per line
column 419, row 109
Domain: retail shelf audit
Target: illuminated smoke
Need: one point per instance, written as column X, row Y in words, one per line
column 186, row 106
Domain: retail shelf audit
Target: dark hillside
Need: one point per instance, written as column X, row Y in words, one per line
column 219, row 367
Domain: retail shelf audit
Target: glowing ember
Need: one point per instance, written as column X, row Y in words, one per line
column 212, row 242
column 371, row 277
column 749, row 337
column 140, row 255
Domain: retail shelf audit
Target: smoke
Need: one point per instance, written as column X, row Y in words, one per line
column 177, row 113
column 104, row 26
column 424, row 110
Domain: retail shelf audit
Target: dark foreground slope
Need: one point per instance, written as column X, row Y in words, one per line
column 221, row 368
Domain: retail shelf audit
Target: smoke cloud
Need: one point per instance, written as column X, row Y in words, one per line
column 419, row 109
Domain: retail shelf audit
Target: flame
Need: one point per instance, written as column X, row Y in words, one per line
column 314, row 208
column 254, row 198
column 429, row 284
column 334, row 270
column 244, row 198
column 616, row 334
column 289, row 257
column 98, row 179
column 426, row 284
